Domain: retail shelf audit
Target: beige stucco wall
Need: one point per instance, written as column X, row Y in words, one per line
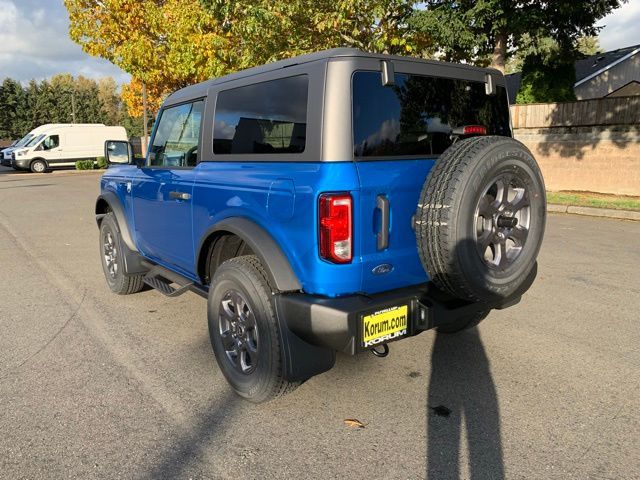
column 596, row 159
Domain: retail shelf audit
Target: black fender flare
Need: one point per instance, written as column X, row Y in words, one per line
column 263, row 245
column 111, row 200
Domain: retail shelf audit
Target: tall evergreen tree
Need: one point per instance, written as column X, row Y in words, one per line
column 12, row 110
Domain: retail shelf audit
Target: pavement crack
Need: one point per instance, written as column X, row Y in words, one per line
column 50, row 341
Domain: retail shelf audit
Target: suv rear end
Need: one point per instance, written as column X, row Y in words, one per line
column 394, row 118
column 332, row 202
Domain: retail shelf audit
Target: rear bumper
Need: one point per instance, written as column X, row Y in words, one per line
column 337, row 323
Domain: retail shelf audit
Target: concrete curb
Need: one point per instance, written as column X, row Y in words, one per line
column 595, row 212
column 56, row 173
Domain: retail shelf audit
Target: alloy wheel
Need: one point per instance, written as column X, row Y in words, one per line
column 238, row 331
column 502, row 220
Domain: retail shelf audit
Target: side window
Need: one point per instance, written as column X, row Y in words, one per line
column 266, row 118
column 175, row 143
column 52, row 141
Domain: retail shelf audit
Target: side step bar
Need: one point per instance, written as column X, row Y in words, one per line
column 162, row 280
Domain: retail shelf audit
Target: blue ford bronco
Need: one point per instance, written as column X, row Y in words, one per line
column 333, row 202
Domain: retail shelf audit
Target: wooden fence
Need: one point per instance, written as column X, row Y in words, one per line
column 600, row 111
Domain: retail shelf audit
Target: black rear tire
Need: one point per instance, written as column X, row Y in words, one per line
column 463, row 323
column 112, row 263
column 481, row 218
column 244, row 330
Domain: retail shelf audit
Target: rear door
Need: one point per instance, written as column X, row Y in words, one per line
column 399, row 131
column 162, row 189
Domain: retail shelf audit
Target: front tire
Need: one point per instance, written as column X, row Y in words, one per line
column 38, row 166
column 244, row 330
column 111, row 248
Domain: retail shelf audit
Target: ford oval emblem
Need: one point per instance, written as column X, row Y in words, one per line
column 382, row 269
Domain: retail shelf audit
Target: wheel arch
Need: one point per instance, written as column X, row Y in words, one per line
column 109, row 202
column 261, row 244
column 43, row 160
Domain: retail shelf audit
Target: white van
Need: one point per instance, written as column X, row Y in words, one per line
column 6, row 153
column 63, row 146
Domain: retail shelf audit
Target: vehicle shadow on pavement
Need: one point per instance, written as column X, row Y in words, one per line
column 184, row 454
column 462, row 402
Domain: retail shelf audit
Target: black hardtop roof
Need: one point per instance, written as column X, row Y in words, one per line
column 200, row 89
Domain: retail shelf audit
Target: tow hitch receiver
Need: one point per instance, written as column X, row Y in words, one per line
column 380, row 351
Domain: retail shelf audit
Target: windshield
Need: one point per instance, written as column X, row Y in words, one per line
column 421, row 115
column 24, row 140
column 34, row 141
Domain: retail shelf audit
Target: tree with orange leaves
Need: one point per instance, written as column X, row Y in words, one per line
column 167, row 44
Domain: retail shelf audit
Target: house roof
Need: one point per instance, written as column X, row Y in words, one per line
column 594, row 65
column 586, row 69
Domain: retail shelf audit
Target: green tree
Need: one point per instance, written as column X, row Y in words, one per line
column 89, row 107
column 546, row 78
column 588, row 45
column 45, row 109
column 110, row 100
column 548, row 72
column 168, row 44
column 265, row 31
column 32, row 94
column 12, row 111
column 61, row 97
column 56, row 100
column 487, row 31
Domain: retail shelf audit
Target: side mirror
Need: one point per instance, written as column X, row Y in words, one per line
column 118, row 152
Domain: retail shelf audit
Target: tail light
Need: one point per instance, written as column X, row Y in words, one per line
column 336, row 227
column 474, row 130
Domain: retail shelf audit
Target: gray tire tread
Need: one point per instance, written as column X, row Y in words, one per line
column 252, row 266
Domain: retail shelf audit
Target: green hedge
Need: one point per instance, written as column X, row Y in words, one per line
column 99, row 163
column 84, row 165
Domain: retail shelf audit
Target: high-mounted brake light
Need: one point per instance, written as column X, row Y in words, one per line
column 474, row 130
column 336, row 227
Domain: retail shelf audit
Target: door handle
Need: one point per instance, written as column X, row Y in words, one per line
column 179, row 195
column 382, row 204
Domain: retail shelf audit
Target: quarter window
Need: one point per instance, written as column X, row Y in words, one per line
column 175, row 143
column 264, row 118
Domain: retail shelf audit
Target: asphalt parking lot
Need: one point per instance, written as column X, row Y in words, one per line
column 94, row 385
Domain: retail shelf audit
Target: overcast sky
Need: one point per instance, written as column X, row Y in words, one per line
column 34, row 41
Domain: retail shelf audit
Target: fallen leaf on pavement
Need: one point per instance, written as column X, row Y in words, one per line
column 353, row 423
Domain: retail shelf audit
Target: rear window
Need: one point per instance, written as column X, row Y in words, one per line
column 265, row 118
column 421, row 115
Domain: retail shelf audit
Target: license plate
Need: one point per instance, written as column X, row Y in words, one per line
column 385, row 325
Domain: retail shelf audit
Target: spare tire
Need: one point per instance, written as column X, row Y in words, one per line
column 481, row 219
